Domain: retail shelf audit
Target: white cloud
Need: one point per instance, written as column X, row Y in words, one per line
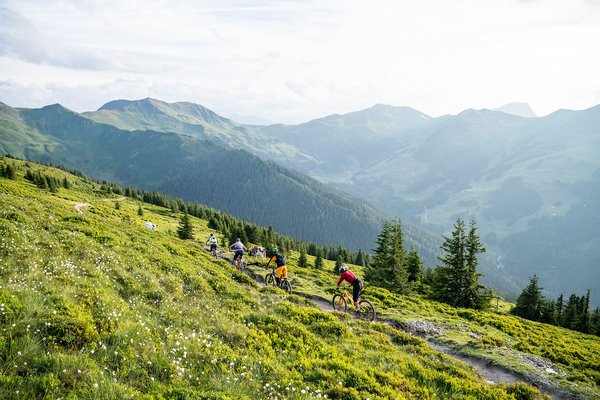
column 295, row 60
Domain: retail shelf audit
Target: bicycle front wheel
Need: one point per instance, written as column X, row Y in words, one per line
column 269, row 280
column 339, row 303
column 287, row 286
column 367, row 311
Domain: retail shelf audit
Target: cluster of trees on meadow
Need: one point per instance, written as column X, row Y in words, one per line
column 45, row 181
column 7, row 171
column 572, row 314
column 455, row 281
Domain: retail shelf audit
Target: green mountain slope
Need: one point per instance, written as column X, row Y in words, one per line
column 230, row 180
column 194, row 120
column 519, row 177
column 95, row 305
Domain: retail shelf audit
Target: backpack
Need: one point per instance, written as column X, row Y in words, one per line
column 279, row 260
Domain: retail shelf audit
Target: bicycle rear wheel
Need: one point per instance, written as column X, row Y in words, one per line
column 269, row 280
column 287, row 286
column 339, row 303
column 367, row 311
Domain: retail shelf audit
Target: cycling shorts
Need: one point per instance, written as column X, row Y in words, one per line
column 281, row 272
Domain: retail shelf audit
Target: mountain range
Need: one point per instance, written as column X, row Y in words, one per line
column 530, row 182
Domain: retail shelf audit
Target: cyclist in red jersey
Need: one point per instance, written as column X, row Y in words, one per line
column 357, row 286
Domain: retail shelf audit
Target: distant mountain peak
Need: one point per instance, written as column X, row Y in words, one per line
column 518, row 109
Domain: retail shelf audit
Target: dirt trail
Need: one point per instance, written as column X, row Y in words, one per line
column 80, row 207
column 492, row 373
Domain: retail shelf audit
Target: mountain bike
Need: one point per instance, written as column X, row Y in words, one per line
column 342, row 298
column 239, row 263
column 215, row 253
column 284, row 283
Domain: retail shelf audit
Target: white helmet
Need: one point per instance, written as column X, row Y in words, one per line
column 343, row 268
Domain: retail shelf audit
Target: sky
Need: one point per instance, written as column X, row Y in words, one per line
column 293, row 61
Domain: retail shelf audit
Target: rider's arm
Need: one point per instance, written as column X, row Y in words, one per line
column 270, row 259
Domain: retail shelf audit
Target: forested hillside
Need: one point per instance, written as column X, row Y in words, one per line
column 95, row 305
column 229, row 180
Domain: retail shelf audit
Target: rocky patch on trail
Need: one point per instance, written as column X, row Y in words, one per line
column 419, row 328
column 80, row 207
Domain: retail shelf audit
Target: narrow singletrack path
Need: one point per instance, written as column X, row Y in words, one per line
column 490, row 372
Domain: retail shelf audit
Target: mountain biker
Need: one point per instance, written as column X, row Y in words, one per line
column 279, row 260
column 239, row 248
column 357, row 286
column 212, row 239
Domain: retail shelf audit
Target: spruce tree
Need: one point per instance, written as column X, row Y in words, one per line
column 302, row 262
column 185, row 229
column 582, row 320
column 595, row 322
column 476, row 296
column 140, row 211
column 338, row 263
column 530, row 302
column 360, row 258
column 414, row 266
column 456, row 281
column 9, row 172
column 319, row 261
column 388, row 268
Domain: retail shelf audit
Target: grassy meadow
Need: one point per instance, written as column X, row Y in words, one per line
column 93, row 305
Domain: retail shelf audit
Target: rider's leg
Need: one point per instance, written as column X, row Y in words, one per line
column 278, row 275
column 356, row 289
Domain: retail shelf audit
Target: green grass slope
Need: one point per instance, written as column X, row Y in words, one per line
column 95, row 306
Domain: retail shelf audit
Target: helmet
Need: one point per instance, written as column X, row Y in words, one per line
column 274, row 251
column 343, row 268
column 237, row 240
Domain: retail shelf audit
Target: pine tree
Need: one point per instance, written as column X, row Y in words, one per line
column 530, row 302
column 456, row 282
column 476, row 296
column 414, row 266
column 595, row 322
column 558, row 310
column 319, row 262
column 140, row 211
column 185, row 229
column 65, row 183
column 388, row 267
column 582, row 319
column 338, row 263
column 302, row 262
column 360, row 258
column 8, row 171
column 570, row 312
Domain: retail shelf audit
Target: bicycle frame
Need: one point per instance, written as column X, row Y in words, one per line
column 343, row 291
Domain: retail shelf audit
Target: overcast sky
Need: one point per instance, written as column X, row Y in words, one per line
column 292, row 61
